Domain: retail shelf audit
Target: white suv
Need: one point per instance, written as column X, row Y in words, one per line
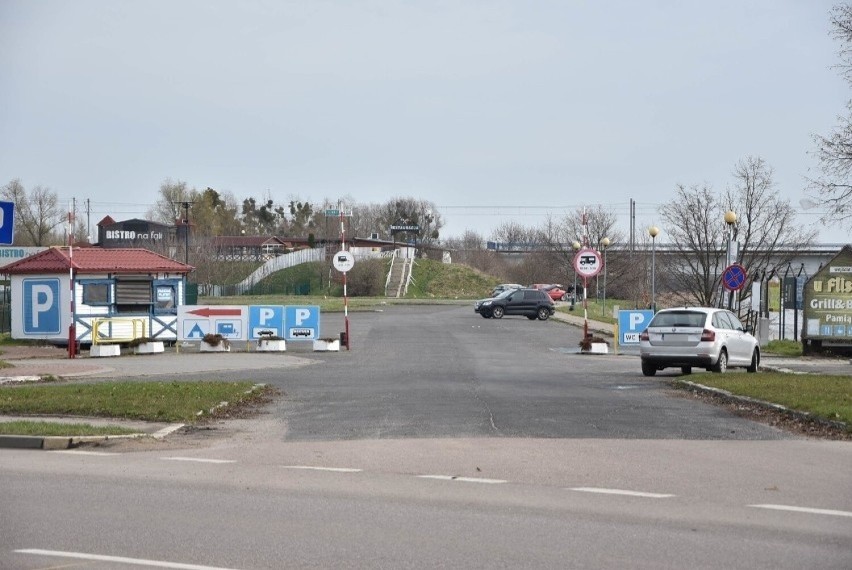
column 704, row 337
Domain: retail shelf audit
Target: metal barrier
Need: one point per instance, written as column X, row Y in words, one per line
column 119, row 329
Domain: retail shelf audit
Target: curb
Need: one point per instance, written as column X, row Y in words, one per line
column 53, row 442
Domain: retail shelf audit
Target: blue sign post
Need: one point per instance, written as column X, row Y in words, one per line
column 266, row 318
column 631, row 323
column 301, row 323
column 7, row 223
column 42, row 314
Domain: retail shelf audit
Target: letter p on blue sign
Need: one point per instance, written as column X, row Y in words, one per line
column 41, row 306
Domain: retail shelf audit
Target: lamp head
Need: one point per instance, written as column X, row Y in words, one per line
column 576, row 245
column 605, row 242
column 730, row 217
column 653, row 231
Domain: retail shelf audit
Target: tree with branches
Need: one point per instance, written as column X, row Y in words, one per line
column 37, row 214
column 833, row 186
column 697, row 231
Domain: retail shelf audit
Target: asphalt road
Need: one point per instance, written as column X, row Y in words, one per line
column 442, row 440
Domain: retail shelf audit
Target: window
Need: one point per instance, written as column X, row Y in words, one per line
column 96, row 292
column 132, row 295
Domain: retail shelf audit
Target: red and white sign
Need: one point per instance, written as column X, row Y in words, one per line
column 195, row 321
column 588, row 262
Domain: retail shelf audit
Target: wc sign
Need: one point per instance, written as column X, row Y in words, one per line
column 631, row 323
column 41, row 307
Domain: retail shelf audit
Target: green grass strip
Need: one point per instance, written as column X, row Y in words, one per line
column 24, row 427
column 149, row 401
column 825, row 396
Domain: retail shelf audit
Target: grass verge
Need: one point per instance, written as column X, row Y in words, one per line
column 827, row 397
column 45, row 429
column 184, row 402
column 784, row 347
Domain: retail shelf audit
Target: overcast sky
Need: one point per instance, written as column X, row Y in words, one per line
column 492, row 110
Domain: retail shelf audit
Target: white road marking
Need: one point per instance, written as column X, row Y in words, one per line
column 120, row 560
column 622, row 492
column 332, row 469
column 463, row 479
column 167, row 431
column 74, row 452
column 804, row 510
column 198, row 459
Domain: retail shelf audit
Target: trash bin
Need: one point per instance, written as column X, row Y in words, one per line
column 343, row 340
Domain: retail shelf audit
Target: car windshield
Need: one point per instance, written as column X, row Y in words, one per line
column 679, row 319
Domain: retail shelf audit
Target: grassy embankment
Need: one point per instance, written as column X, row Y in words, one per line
column 185, row 402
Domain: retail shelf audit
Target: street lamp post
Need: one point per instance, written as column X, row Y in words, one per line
column 605, row 243
column 730, row 220
column 576, row 246
column 653, row 231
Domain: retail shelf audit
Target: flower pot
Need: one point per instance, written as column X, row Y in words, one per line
column 598, row 348
column 327, row 345
column 221, row 347
column 278, row 345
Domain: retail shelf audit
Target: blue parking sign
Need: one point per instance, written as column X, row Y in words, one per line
column 7, row 223
column 41, row 307
column 631, row 323
column 301, row 323
column 266, row 318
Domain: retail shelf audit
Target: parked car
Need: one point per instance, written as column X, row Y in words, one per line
column 531, row 303
column 557, row 292
column 504, row 287
column 703, row 337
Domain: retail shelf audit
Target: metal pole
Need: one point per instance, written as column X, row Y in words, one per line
column 603, row 309
column 653, row 274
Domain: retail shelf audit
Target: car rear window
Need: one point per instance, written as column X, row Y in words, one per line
column 679, row 319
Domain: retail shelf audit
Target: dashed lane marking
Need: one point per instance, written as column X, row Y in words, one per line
column 807, row 510
column 332, row 469
column 75, row 452
column 463, row 479
column 621, row 492
column 119, row 559
column 198, row 459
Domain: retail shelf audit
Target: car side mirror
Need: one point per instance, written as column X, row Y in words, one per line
column 749, row 329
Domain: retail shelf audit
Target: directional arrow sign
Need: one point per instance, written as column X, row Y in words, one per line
column 217, row 312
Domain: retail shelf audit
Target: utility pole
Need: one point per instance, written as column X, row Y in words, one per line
column 186, row 232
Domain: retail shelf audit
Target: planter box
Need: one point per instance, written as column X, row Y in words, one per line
column 599, row 348
column 149, row 348
column 271, row 345
column 221, row 347
column 104, row 350
column 327, row 345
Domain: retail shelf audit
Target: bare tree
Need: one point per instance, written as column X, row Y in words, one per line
column 698, row 234
column 833, row 186
column 37, row 213
column 169, row 206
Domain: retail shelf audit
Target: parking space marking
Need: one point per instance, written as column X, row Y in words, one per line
column 463, row 479
column 807, row 510
column 119, row 559
column 622, row 492
column 332, row 469
column 198, row 459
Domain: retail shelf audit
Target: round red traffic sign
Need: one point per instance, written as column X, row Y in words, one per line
column 734, row 277
column 588, row 262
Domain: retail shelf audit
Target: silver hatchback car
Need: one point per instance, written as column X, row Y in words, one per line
column 703, row 337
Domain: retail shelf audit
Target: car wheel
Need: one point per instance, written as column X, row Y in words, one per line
column 564, row 297
column 497, row 312
column 755, row 361
column 686, row 370
column 485, row 315
column 648, row 369
column 531, row 317
column 543, row 314
column 722, row 364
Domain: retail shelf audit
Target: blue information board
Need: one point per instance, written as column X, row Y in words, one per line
column 7, row 223
column 631, row 323
column 266, row 318
column 41, row 307
column 301, row 323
